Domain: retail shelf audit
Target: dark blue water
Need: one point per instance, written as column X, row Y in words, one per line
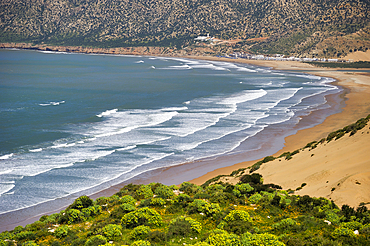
column 70, row 122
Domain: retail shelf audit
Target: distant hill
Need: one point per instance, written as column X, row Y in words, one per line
column 305, row 27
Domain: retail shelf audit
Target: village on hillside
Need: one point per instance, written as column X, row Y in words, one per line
column 208, row 40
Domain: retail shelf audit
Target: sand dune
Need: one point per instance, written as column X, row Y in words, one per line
column 338, row 170
column 358, row 56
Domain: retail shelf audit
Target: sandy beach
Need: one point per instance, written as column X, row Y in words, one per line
column 356, row 97
column 343, row 164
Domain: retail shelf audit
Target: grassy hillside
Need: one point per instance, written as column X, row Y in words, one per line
column 249, row 213
column 292, row 27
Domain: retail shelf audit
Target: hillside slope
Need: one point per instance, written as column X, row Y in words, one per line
column 295, row 27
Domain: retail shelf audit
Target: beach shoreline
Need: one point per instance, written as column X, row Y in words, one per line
column 172, row 174
column 356, row 97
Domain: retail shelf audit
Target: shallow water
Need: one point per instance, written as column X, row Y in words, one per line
column 70, row 122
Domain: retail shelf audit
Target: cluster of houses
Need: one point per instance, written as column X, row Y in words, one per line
column 279, row 57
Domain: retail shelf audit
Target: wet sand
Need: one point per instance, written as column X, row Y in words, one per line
column 356, row 97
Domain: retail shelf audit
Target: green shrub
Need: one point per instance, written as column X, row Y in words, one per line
column 61, row 231
column 365, row 230
column 35, row 226
column 74, row 216
column 201, row 206
column 81, row 202
column 260, row 239
column 96, row 241
column 242, row 189
column 6, row 235
column 183, row 200
column 342, row 232
column 144, row 192
column 201, row 195
column 78, row 242
column 237, row 221
column 157, row 202
column 157, row 236
column 90, row 211
column 164, row 191
column 18, row 229
column 331, row 216
column 222, row 238
column 353, row 225
column 222, row 198
column 128, row 199
column 25, row 235
column 183, row 226
column 142, row 216
column 190, row 189
column 112, row 231
column 238, row 215
column 3, row 243
column 255, row 198
column 140, row 232
column 215, row 188
column 102, row 200
column 174, row 187
column 141, row 243
column 284, row 225
column 30, row 243
column 120, row 211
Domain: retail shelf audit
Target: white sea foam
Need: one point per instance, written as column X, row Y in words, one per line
column 4, row 157
column 141, row 61
column 244, row 69
column 36, row 150
column 6, row 171
column 59, row 146
column 124, row 122
column 174, row 109
column 247, row 95
column 102, row 154
column 308, row 76
column 107, row 113
column 209, row 66
column 126, row 148
column 187, row 102
column 8, row 182
column 51, row 103
column 4, row 188
column 181, row 67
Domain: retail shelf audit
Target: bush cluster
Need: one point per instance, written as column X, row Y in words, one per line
column 248, row 213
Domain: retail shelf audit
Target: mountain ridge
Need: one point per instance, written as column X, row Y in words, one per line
column 307, row 27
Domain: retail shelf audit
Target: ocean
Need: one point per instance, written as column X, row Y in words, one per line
column 73, row 123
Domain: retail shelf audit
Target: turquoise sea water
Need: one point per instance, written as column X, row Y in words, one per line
column 70, row 122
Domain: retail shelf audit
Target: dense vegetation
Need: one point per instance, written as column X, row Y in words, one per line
column 248, row 213
column 292, row 27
